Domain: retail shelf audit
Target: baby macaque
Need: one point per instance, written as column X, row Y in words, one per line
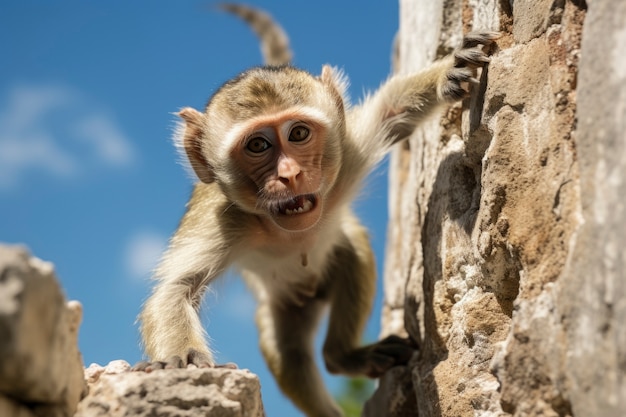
column 280, row 155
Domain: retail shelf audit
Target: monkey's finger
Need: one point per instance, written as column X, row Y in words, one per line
column 460, row 74
column 378, row 364
column 200, row 359
column 453, row 90
column 398, row 348
column 470, row 57
column 155, row 366
column 394, row 339
column 399, row 354
column 140, row 366
column 174, row 362
column 476, row 38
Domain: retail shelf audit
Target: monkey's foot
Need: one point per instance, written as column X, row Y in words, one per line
column 372, row 360
column 469, row 57
column 193, row 357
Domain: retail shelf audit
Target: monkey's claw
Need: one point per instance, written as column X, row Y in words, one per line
column 193, row 357
column 473, row 57
column 372, row 360
column 389, row 352
column 199, row 359
column 465, row 61
column 476, row 38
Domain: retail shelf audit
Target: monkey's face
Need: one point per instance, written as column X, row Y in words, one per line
column 281, row 160
column 272, row 140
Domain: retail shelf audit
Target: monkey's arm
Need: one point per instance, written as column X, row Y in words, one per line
column 171, row 330
column 404, row 101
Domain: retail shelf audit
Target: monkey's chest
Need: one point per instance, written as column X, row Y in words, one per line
column 293, row 274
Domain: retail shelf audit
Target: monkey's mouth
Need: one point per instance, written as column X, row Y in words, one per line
column 297, row 205
column 295, row 213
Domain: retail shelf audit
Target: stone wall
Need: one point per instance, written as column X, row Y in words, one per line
column 507, row 233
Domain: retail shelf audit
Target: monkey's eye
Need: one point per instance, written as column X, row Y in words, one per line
column 258, row 145
column 299, row 134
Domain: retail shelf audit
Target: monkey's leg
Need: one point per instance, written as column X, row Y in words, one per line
column 286, row 338
column 353, row 281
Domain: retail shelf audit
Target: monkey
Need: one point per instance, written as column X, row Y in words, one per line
column 280, row 154
column 274, row 41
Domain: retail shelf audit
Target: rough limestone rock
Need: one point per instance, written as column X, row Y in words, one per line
column 114, row 391
column 506, row 245
column 41, row 370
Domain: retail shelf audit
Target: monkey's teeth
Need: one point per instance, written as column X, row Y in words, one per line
column 306, row 205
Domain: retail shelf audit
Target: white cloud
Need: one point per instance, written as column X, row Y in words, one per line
column 108, row 142
column 38, row 151
column 143, row 251
column 55, row 131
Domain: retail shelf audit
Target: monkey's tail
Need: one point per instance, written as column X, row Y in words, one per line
column 274, row 41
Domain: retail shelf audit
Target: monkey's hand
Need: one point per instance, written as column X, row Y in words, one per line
column 465, row 60
column 193, row 357
column 372, row 360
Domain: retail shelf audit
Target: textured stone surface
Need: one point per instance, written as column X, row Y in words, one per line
column 394, row 395
column 507, row 235
column 116, row 392
column 41, row 371
column 592, row 299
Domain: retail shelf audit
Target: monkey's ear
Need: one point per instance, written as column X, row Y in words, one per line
column 337, row 83
column 336, row 78
column 192, row 142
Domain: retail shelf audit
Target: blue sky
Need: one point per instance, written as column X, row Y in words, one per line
column 89, row 178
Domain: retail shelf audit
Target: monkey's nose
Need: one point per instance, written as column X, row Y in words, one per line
column 289, row 171
column 290, row 179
